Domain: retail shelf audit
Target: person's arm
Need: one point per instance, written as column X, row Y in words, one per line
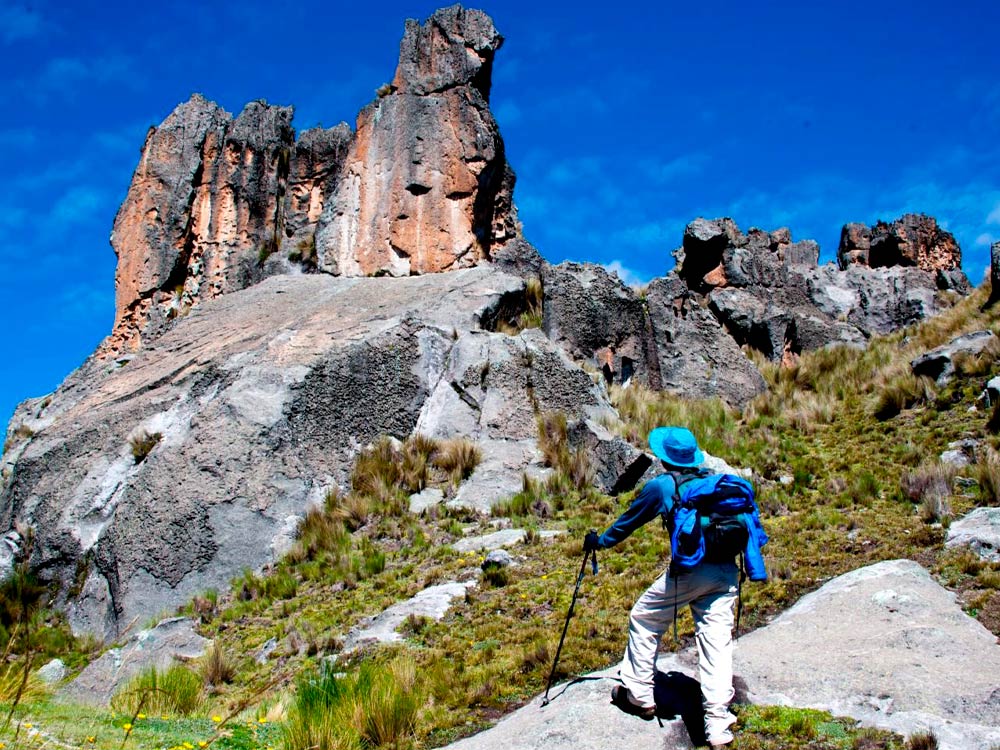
column 647, row 505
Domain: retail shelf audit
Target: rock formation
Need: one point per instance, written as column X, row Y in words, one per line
column 216, row 203
column 260, row 400
column 731, row 290
column 911, row 240
column 426, row 186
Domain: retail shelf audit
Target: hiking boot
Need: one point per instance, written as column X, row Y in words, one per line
column 620, row 697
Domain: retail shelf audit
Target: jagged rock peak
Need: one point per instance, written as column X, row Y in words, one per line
column 911, row 240
column 426, row 186
column 217, row 204
column 453, row 47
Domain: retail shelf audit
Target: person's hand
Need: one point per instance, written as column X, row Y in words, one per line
column 590, row 542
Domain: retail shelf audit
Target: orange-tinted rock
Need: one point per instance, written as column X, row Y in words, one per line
column 217, row 204
column 207, row 210
column 425, row 186
column 912, row 240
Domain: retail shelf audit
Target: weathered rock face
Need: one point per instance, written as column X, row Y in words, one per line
column 216, row 203
column 695, row 354
column 595, row 317
column 209, row 209
column 426, row 186
column 912, row 240
column 261, row 399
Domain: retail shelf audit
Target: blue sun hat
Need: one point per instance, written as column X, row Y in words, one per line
column 676, row 445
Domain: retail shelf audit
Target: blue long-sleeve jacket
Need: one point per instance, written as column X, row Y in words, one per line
column 656, row 498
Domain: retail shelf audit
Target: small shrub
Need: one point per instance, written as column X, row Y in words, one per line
column 142, row 443
column 216, row 667
column 922, row 741
column 459, row 458
column 177, row 690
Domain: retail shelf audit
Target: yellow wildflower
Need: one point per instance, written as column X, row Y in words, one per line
column 202, row 743
column 127, row 727
column 216, row 719
column 140, row 716
column 262, row 721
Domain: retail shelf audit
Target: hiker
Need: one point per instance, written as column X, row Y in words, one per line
column 710, row 588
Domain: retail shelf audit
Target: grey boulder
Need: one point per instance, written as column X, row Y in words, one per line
column 886, row 645
column 980, row 531
column 939, row 363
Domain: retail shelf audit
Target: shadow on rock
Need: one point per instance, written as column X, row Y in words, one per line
column 679, row 695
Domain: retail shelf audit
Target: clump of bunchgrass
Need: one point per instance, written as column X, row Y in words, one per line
column 986, row 472
column 142, row 444
column 217, row 666
column 901, row 391
column 375, row 706
column 922, row 741
column 175, row 690
column 458, row 458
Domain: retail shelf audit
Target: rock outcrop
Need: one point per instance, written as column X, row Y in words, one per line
column 259, row 400
column 911, row 240
column 979, row 531
column 426, row 186
column 216, row 203
column 907, row 657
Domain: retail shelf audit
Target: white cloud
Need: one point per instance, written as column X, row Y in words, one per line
column 994, row 215
column 985, row 240
column 672, row 170
column 627, row 275
column 78, row 204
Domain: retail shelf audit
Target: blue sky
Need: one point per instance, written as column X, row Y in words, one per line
column 623, row 123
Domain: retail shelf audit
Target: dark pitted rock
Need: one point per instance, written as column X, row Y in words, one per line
column 520, row 258
column 617, row 465
column 448, row 205
column 596, row 318
column 939, row 363
column 855, row 244
column 700, row 258
column 695, row 355
column 980, row 531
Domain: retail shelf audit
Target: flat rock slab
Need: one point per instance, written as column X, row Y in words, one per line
column 497, row 540
column 158, row 647
column 979, row 530
column 885, row 645
column 432, row 602
column 579, row 717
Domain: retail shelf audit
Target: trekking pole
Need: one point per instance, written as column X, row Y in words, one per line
column 592, row 556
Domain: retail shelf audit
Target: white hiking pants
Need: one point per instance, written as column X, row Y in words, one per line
column 710, row 589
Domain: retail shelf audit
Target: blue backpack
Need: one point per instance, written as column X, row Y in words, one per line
column 714, row 517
